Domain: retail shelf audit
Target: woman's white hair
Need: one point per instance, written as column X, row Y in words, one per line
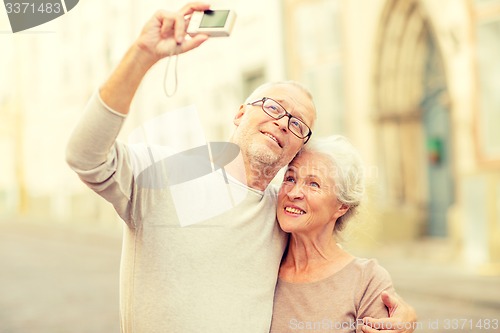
column 348, row 171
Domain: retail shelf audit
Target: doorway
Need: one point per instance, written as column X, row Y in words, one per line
column 413, row 117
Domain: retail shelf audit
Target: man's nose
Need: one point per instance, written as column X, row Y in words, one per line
column 282, row 123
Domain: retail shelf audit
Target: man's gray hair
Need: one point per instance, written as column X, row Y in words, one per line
column 260, row 90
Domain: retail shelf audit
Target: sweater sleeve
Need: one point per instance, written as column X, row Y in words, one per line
column 376, row 279
column 102, row 163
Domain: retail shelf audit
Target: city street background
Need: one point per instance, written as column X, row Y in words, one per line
column 412, row 83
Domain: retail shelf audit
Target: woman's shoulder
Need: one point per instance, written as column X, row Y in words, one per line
column 365, row 263
column 370, row 269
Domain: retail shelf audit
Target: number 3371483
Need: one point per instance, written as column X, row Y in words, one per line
column 26, row 7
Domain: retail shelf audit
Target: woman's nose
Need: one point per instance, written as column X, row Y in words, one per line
column 295, row 192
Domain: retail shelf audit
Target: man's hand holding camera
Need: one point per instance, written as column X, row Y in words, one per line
column 164, row 34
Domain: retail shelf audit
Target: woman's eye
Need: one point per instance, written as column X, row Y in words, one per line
column 314, row 184
column 289, row 179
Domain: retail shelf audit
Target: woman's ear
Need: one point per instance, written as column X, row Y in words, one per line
column 343, row 209
column 239, row 115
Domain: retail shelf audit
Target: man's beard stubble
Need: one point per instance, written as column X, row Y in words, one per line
column 259, row 156
column 262, row 157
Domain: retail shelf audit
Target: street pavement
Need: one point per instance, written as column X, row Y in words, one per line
column 448, row 295
column 61, row 278
column 447, row 298
column 54, row 279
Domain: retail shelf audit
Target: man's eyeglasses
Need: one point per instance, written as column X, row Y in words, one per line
column 274, row 110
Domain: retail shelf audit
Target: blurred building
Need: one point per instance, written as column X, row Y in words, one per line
column 411, row 82
column 48, row 73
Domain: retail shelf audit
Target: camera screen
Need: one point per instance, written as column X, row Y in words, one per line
column 214, row 18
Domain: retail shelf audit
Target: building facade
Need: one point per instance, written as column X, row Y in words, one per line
column 418, row 85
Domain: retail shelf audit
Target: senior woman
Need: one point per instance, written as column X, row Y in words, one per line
column 321, row 287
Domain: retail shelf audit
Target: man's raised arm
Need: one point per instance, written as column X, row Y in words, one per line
column 163, row 35
column 92, row 151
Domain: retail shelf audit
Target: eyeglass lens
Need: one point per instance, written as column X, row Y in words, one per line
column 277, row 111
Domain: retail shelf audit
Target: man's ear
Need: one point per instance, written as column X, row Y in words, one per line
column 239, row 115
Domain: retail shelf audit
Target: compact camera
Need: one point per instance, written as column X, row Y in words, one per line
column 214, row 23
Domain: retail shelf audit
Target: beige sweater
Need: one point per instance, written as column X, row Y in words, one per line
column 333, row 304
column 181, row 274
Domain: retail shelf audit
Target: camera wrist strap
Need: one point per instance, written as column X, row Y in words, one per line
column 175, row 53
